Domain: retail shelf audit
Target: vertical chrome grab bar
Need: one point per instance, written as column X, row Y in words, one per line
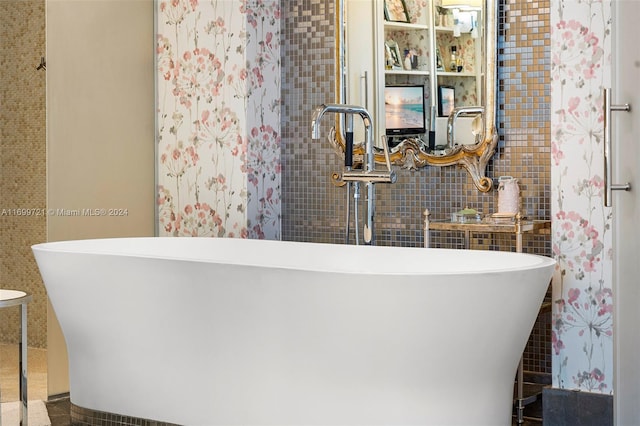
column 364, row 79
column 608, row 174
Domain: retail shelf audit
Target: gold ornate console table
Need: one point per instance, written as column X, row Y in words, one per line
column 517, row 226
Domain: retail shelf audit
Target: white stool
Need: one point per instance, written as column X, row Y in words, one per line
column 13, row 298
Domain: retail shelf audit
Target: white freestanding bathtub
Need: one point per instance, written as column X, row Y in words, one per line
column 216, row 331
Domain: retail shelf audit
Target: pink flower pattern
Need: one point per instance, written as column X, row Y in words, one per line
column 582, row 327
column 218, row 84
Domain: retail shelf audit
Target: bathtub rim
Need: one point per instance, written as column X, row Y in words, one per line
column 401, row 266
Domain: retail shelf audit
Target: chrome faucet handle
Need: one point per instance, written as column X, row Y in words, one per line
column 368, row 177
column 385, row 149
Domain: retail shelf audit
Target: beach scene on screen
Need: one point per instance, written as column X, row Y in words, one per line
column 404, row 107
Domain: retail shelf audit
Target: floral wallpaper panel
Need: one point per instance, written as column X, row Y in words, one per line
column 582, row 315
column 218, row 95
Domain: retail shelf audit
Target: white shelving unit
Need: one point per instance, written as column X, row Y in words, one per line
column 470, row 78
column 367, row 71
column 415, row 36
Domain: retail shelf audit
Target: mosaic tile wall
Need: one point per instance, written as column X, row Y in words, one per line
column 81, row 416
column 314, row 210
column 22, row 163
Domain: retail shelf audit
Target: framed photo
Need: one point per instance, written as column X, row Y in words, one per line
column 392, row 55
column 410, row 59
column 446, row 100
column 395, row 11
column 439, row 62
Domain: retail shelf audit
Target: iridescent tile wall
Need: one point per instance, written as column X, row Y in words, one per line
column 81, row 416
column 314, row 209
column 22, row 162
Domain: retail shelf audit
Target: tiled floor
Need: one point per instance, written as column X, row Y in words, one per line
column 10, row 373
column 59, row 407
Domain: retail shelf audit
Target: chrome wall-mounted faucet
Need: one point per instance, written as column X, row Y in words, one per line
column 368, row 174
column 461, row 111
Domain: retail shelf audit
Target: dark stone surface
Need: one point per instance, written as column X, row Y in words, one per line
column 570, row 408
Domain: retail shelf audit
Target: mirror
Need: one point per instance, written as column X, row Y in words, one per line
column 426, row 71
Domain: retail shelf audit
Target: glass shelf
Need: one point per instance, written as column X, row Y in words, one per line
column 456, row 74
column 406, row 72
column 404, row 26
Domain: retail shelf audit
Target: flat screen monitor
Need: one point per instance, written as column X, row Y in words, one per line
column 404, row 110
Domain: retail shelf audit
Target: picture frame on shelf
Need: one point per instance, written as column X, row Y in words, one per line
column 396, row 11
column 439, row 61
column 446, row 100
column 410, row 59
column 392, row 55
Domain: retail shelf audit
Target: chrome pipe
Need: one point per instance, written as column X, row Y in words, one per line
column 426, row 227
column 348, row 218
column 356, row 220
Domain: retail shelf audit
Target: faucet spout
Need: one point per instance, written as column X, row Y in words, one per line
column 348, row 111
column 315, row 121
column 322, row 109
